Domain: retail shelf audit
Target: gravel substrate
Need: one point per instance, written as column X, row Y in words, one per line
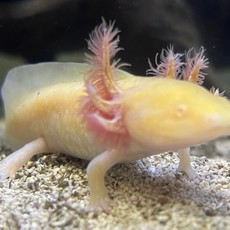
column 51, row 192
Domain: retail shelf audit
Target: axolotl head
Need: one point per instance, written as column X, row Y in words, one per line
column 168, row 111
column 163, row 114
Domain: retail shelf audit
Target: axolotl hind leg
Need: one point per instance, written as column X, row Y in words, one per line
column 13, row 162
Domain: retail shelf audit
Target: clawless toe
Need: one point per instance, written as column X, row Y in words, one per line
column 6, row 172
column 100, row 204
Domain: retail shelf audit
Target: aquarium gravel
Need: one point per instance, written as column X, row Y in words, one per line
column 51, row 192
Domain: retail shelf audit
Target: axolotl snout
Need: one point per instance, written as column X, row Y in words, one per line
column 98, row 112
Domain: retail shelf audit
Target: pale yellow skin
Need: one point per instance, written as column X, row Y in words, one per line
column 156, row 112
column 53, row 114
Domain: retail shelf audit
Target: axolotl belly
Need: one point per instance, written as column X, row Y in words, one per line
column 99, row 113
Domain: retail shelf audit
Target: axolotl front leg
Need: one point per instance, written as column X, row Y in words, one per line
column 96, row 173
column 12, row 163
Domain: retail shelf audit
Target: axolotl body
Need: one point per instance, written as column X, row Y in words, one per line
column 100, row 113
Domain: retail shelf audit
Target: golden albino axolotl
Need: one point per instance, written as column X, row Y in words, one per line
column 99, row 113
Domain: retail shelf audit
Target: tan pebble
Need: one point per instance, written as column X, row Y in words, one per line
column 225, row 186
column 204, row 184
column 48, row 204
column 35, row 225
column 218, row 186
column 40, row 169
column 93, row 215
column 64, row 222
column 162, row 218
column 163, row 200
column 30, row 164
column 133, row 198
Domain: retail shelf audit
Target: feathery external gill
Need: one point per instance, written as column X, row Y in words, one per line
column 101, row 106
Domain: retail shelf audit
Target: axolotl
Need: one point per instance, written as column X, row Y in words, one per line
column 97, row 112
